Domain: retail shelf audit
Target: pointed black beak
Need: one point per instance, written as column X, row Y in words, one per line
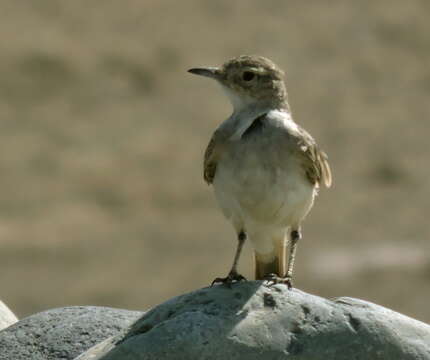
column 210, row 72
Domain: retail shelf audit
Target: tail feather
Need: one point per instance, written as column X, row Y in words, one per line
column 272, row 263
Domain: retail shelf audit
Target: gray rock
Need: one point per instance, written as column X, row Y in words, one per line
column 7, row 317
column 254, row 321
column 62, row 333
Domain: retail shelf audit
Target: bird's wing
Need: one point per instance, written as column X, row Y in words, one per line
column 314, row 160
column 212, row 155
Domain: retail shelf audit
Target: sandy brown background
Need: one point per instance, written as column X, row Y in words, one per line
column 102, row 200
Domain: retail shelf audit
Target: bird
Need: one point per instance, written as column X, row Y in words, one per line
column 265, row 169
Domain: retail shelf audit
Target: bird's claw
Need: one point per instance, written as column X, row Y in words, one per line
column 274, row 279
column 229, row 279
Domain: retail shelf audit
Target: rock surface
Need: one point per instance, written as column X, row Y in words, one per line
column 7, row 317
column 62, row 333
column 254, row 321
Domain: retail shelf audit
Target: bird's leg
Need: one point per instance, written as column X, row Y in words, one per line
column 233, row 275
column 295, row 236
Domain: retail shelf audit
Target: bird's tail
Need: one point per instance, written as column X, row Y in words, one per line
column 273, row 262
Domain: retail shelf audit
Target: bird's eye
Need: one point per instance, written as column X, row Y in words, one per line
column 248, row 75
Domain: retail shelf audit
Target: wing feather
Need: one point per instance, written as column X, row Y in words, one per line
column 314, row 160
column 212, row 154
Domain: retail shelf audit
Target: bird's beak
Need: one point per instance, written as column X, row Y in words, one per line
column 210, row 72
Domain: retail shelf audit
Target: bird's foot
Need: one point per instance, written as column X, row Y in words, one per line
column 274, row 279
column 231, row 278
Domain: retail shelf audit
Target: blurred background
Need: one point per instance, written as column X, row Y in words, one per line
column 102, row 200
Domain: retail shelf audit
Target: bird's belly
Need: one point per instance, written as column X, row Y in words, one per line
column 263, row 189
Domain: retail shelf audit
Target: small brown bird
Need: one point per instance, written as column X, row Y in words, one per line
column 265, row 169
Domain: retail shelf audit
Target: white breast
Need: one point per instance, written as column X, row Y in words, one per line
column 258, row 181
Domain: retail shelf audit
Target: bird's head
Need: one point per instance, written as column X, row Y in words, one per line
column 249, row 80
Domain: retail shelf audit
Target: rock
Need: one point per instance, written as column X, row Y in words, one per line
column 254, row 321
column 7, row 317
column 62, row 333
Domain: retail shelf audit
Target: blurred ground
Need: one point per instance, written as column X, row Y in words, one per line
column 103, row 131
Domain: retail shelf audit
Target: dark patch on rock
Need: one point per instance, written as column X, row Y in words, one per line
column 295, row 347
column 269, row 301
column 354, row 322
column 306, row 310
